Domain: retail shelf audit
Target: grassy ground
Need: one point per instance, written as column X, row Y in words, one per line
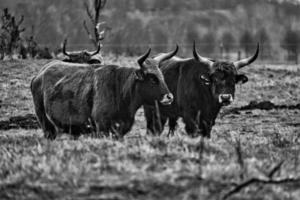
column 259, row 144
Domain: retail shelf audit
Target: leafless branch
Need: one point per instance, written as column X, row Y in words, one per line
column 251, row 181
column 88, row 32
column 268, row 181
column 21, row 20
column 89, row 13
column 275, row 169
column 94, row 18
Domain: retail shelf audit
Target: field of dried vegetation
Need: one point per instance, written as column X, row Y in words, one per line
column 254, row 152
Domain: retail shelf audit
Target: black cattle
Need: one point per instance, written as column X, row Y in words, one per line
column 201, row 86
column 107, row 97
column 83, row 56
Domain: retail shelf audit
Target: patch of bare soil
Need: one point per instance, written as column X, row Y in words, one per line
column 263, row 105
column 27, row 121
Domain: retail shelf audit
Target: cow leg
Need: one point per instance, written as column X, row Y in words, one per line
column 172, row 125
column 154, row 125
column 160, row 124
column 149, row 115
column 126, row 127
column 205, row 131
column 75, row 131
column 102, row 128
column 47, row 127
column 190, row 127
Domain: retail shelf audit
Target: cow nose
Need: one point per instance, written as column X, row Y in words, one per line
column 225, row 98
column 167, row 99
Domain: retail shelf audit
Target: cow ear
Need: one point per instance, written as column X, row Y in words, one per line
column 241, row 78
column 139, row 74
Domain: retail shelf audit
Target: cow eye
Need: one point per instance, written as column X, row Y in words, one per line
column 153, row 79
column 205, row 79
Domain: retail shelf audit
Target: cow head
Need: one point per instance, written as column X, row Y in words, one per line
column 150, row 80
column 222, row 76
column 82, row 56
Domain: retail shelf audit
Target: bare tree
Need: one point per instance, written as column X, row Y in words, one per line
column 93, row 13
column 10, row 33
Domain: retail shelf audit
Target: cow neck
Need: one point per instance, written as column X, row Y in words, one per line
column 215, row 109
column 129, row 99
column 209, row 106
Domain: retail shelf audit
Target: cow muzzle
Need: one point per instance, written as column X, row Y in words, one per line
column 225, row 99
column 167, row 99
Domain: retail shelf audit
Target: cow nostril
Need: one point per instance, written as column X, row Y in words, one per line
column 170, row 96
column 225, row 96
column 167, row 99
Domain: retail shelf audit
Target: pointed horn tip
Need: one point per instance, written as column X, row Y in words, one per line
column 148, row 52
column 247, row 61
column 63, row 44
column 144, row 57
column 194, row 45
column 176, row 48
column 195, row 53
column 98, row 49
column 256, row 52
column 64, row 47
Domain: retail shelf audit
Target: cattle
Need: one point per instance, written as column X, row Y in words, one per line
column 201, row 86
column 72, row 95
column 82, row 56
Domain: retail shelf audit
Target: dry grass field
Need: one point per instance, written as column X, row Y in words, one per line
column 253, row 154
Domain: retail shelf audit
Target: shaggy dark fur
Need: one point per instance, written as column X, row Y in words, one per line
column 196, row 88
column 69, row 96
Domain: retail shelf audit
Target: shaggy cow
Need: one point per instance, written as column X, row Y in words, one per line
column 201, row 87
column 69, row 96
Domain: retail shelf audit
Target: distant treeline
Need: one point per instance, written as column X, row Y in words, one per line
column 219, row 27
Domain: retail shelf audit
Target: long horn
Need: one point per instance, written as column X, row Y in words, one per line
column 166, row 56
column 64, row 48
column 98, row 50
column 200, row 58
column 142, row 58
column 242, row 63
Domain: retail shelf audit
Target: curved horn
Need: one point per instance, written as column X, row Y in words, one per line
column 242, row 63
column 98, row 50
column 64, row 48
column 200, row 58
column 142, row 58
column 166, row 56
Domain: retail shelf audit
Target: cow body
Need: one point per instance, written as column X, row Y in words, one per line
column 70, row 96
column 83, row 56
column 189, row 98
column 200, row 87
